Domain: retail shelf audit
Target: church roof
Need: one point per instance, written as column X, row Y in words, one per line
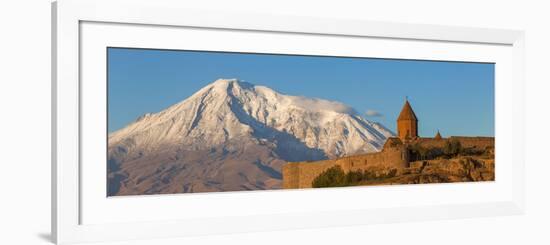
column 407, row 113
column 438, row 135
column 392, row 142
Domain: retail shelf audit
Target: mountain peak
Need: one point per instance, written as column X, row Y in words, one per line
column 224, row 85
column 230, row 108
column 224, row 81
column 221, row 84
column 232, row 132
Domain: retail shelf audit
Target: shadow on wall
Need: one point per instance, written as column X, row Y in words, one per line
column 45, row 237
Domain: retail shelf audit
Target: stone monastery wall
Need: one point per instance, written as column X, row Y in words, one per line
column 467, row 142
column 302, row 174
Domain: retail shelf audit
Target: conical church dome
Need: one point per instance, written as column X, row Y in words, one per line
column 438, row 135
column 407, row 123
column 407, row 113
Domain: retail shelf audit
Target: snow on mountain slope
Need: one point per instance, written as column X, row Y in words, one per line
column 229, row 121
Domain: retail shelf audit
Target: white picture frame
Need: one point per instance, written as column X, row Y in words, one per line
column 68, row 197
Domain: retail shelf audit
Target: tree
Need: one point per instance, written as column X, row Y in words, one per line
column 452, row 147
column 419, row 152
column 336, row 177
column 332, row 177
column 354, row 177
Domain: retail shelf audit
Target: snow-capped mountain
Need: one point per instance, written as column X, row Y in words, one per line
column 233, row 135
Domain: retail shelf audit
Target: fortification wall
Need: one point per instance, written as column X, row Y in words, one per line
column 302, row 174
column 467, row 142
column 388, row 158
column 475, row 142
column 431, row 142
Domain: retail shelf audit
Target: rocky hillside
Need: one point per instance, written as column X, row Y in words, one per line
column 461, row 169
column 452, row 163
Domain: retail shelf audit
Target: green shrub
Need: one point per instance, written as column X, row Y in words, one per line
column 452, row 148
column 335, row 177
column 354, row 177
column 419, row 152
column 332, row 177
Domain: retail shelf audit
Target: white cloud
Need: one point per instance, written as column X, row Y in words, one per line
column 373, row 113
column 320, row 104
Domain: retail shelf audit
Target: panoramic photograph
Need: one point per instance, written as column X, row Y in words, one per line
column 182, row 121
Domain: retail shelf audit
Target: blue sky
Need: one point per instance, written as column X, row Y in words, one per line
column 455, row 97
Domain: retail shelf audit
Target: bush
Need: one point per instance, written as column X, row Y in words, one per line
column 452, row 148
column 354, row 177
column 419, row 152
column 335, row 177
column 332, row 177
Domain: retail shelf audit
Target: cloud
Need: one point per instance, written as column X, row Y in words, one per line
column 373, row 113
column 320, row 104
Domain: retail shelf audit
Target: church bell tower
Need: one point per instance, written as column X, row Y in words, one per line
column 407, row 123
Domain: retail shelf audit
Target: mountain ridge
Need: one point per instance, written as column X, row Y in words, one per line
column 256, row 127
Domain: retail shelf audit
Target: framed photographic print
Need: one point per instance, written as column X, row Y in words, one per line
column 170, row 122
column 232, row 135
